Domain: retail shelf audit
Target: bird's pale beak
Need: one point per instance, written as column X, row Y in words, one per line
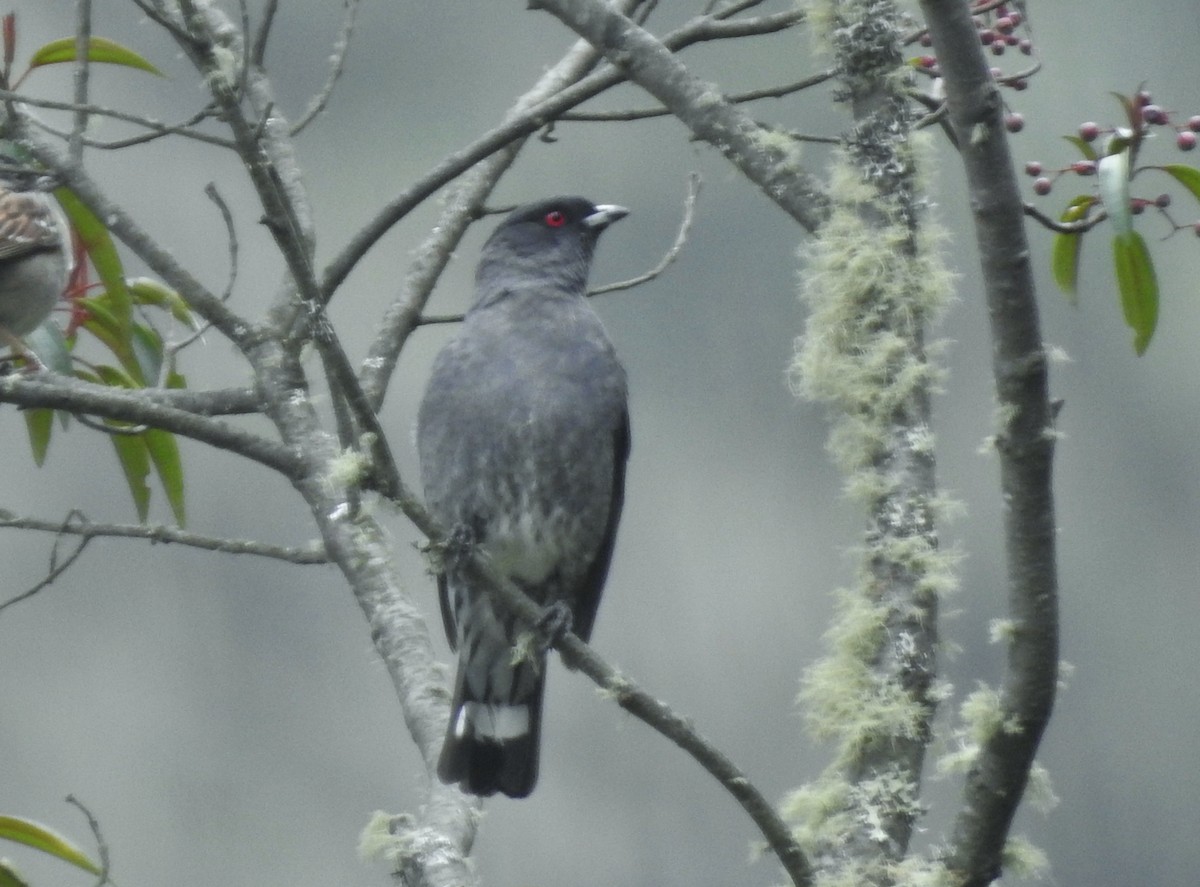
column 605, row 215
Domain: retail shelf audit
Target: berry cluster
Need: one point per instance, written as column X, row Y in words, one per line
column 1094, row 141
column 1000, row 29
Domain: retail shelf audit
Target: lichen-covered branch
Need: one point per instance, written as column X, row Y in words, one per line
column 1024, row 444
column 875, row 283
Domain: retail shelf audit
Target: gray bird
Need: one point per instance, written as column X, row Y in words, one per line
column 523, row 435
column 34, row 261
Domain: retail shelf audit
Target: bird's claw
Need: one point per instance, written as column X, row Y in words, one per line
column 555, row 621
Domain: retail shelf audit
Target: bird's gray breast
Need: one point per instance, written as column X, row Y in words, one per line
column 517, row 432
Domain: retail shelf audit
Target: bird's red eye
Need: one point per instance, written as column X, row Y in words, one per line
column 555, row 218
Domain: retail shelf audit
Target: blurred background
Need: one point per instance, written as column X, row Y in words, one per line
column 226, row 718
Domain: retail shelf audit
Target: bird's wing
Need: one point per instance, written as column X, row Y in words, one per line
column 593, row 580
column 27, row 226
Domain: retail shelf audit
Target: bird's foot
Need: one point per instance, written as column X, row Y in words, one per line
column 459, row 542
column 555, row 621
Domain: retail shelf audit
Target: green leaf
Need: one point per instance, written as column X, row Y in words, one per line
column 100, row 49
column 1064, row 261
column 151, row 292
column 164, row 453
column 9, row 876
column 1187, row 176
column 103, row 253
column 1088, row 152
column 25, row 831
column 1138, row 285
column 135, row 462
column 39, row 423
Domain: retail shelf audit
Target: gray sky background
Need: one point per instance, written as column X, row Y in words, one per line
column 227, row 720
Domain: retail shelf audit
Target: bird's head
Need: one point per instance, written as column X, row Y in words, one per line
column 545, row 243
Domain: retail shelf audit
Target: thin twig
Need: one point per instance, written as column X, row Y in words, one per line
column 56, row 569
column 259, row 52
column 1080, row 227
column 685, row 227
column 521, row 125
column 770, row 92
column 337, row 63
column 83, row 37
column 101, row 844
column 78, row 525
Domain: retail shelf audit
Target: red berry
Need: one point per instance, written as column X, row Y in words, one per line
column 996, row 73
column 1011, row 39
column 1154, row 115
column 1014, row 122
column 1026, row 46
column 1084, row 167
column 1020, row 84
column 1162, row 201
column 998, row 48
column 926, row 40
column 1194, row 123
column 1033, row 168
column 1089, row 131
column 1137, row 206
column 1016, row 18
column 1186, row 140
column 986, row 36
column 1005, row 24
column 1042, row 186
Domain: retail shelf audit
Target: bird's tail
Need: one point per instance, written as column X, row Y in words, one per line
column 495, row 726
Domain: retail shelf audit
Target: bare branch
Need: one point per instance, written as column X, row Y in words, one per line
column 518, row 126
column 651, row 64
column 1080, row 227
column 79, row 525
column 56, row 569
column 737, row 98
column 132, row 405
column 1024, row 443
column 337, row 63
column 101, row 844
column 158, row 128
column 83, row 36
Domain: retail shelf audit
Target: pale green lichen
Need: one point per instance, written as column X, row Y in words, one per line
column 1023, row 859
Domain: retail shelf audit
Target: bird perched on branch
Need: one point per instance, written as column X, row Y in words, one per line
column 523, row 435
column 35, row 258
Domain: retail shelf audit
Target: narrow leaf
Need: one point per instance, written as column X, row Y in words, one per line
column 9, row 876
column 102, row 251
column 1187, row 176
column 25, row 831
column 1065, row 264
column 100, row 49
column 1067, row 248
column 1138, row 286
column 39, row 423
column 164, row 453
column 1088, row 152
column 150, row 292
column 135, row 462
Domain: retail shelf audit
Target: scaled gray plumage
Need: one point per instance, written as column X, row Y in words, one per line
column 34, row 260
column 523, row 435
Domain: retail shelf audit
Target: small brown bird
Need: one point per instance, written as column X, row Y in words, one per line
column 35, row 259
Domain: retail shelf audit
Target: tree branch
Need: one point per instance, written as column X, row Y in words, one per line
column 133, row 405
column 1025, row 444
column 699, row 105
